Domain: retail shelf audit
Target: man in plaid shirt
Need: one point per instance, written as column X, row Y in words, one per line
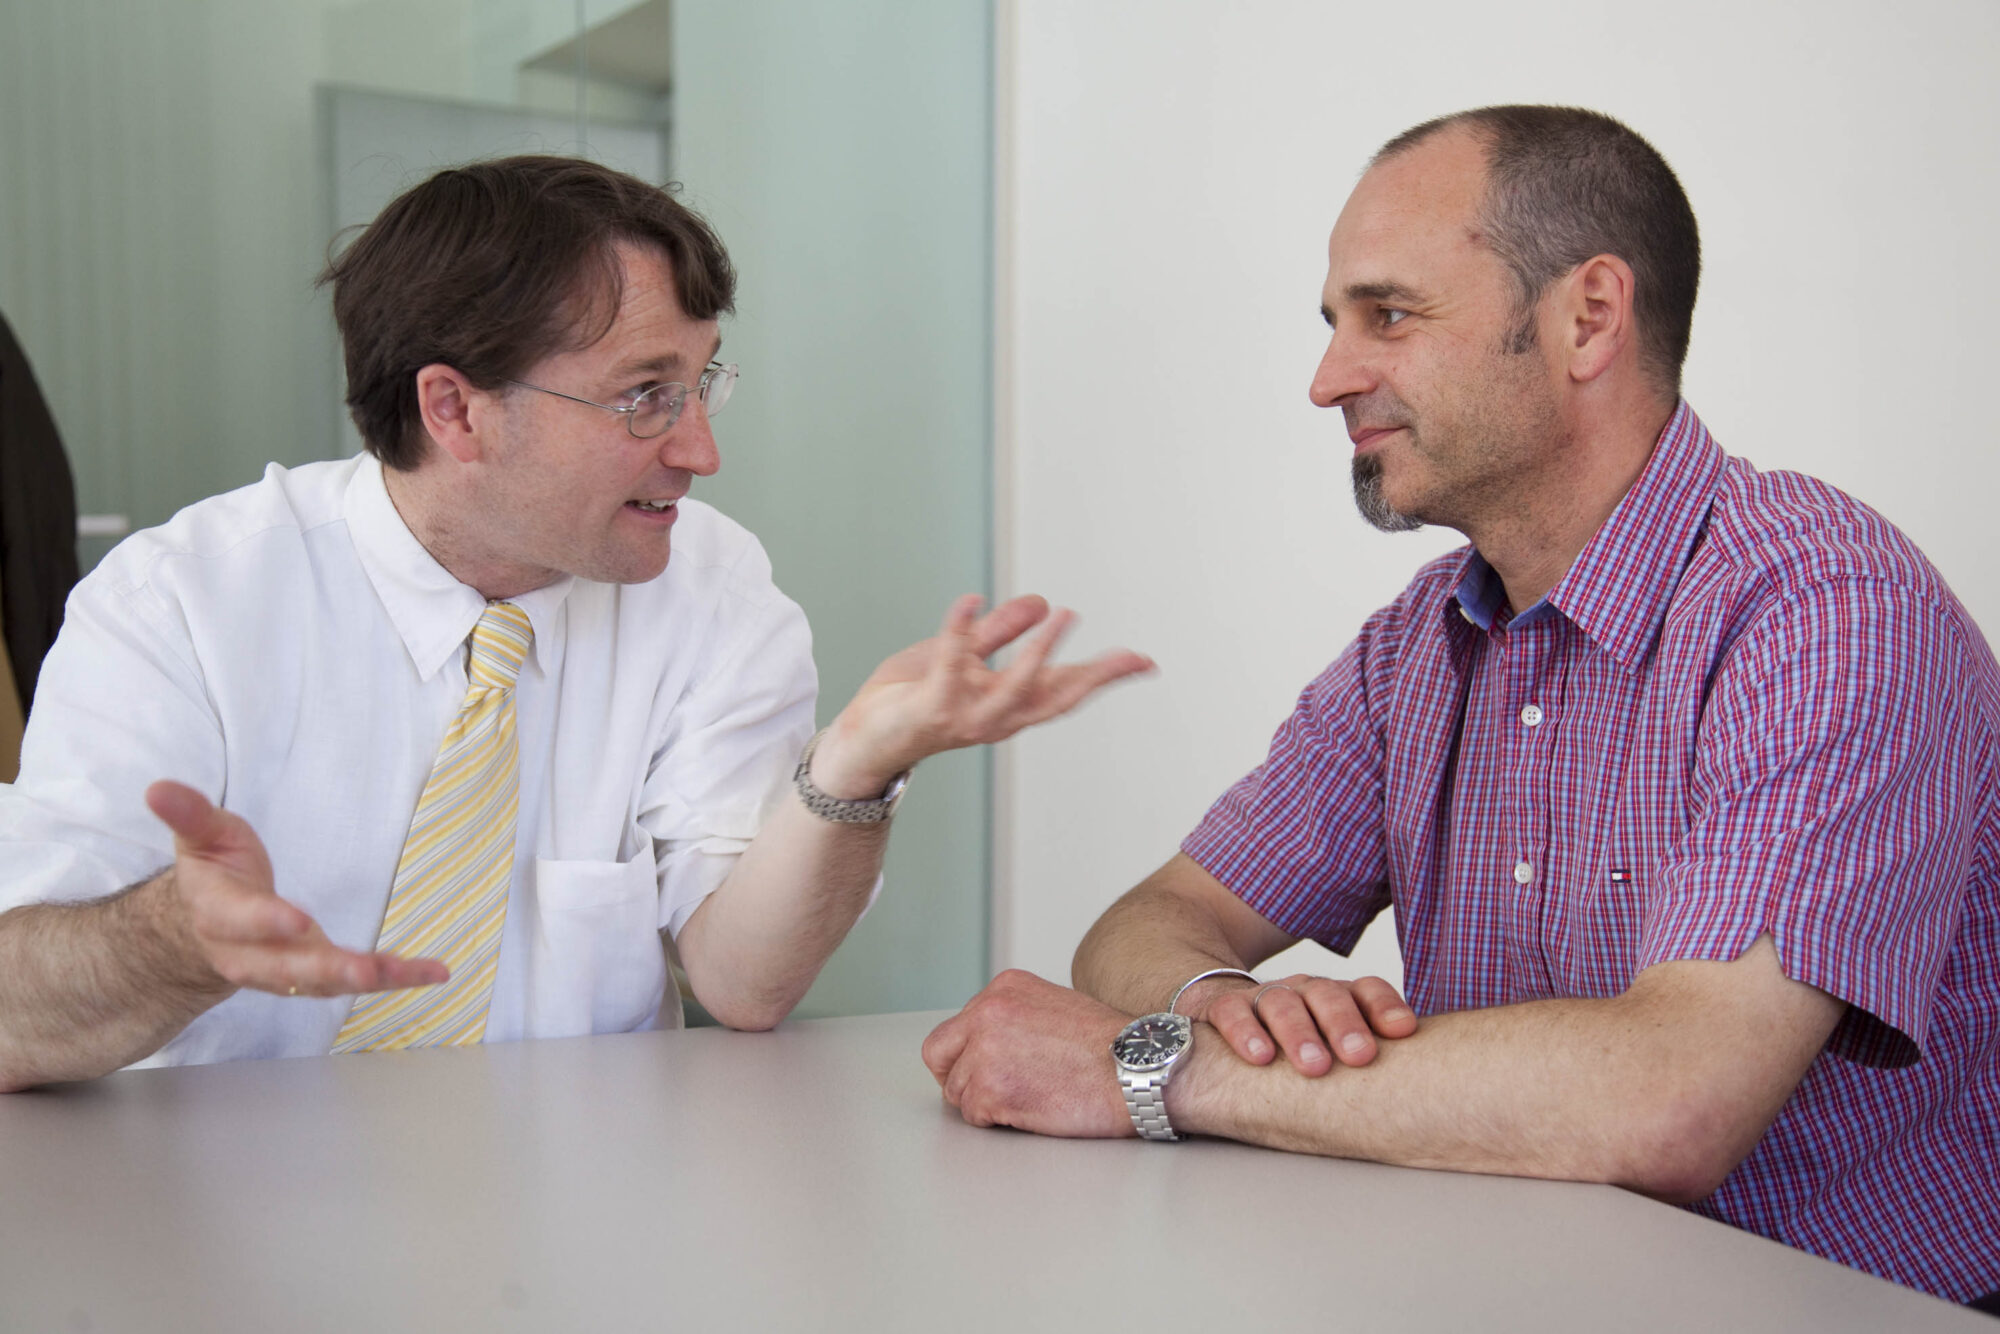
column 1680, row 778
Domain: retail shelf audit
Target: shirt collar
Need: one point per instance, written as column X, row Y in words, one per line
column 1615, row 591
column 1481, row 596
column 432, row 611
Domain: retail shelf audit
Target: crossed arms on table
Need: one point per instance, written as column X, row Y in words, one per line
column 1663, row 1089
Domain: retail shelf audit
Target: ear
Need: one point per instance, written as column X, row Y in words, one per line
column 1598, row 328
column 457, row 416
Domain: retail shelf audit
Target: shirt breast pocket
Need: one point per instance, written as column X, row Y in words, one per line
column 596, row 962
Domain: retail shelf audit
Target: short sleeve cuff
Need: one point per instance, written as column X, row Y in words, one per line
column 1889, row 1000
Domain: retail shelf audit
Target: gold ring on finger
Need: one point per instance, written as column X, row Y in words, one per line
column 1268, row 986
column 293, row 991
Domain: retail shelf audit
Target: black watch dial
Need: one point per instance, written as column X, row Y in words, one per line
column 1149, row 1043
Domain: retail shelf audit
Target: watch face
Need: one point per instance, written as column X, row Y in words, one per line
column 1150, row 1042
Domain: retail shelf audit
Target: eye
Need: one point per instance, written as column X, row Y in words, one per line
column 632, row 396
column 1389, row 316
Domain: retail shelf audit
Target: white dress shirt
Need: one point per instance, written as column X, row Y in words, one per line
column 292, row 651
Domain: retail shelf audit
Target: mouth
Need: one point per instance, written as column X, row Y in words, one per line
column 1364, row 438
column 655, row 510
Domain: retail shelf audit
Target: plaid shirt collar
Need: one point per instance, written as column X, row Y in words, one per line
column 1614, row 591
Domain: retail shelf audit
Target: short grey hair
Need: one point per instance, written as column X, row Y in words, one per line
column 1565, row 184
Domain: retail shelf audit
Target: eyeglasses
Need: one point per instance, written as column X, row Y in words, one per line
column 655, row 411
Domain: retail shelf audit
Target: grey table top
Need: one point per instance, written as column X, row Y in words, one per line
column 804, row 1179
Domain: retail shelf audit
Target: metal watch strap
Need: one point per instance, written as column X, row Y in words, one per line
column 1146, row 1100
column 837, row 809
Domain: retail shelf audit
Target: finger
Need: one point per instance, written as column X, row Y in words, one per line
column 1383, row 1007
column 355, row 972
column 955, row 1082
column 1066, row 687
column 1018, row 681
column 325, row 969
column 1339, row 1019
column 960, row 616
column 954, row 641
column 1292, row 1026
column 227, row 912
column 200, row 827
column 1230, row 1015
column 1007, row 622
column 941, row 1049
column 395, row 971
column 310, row 968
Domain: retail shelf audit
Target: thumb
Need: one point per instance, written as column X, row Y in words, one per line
column 199, row 827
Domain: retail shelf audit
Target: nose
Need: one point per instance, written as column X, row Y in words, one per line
column 691, row 444
column 1340, row 375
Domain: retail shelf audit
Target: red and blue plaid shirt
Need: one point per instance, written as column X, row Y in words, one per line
column 1750, row 707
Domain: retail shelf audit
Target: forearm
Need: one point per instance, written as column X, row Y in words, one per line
column 755, row 945
column 1504, row 1091
column 1144, row 947
column 1178, row 922
column 86, row 988
column 1663, row 1089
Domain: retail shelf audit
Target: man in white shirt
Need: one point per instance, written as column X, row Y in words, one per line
column 531, row 361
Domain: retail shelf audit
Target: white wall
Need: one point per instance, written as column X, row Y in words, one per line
column 1168, row 172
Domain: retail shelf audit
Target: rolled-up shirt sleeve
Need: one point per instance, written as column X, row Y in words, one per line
column 730, row 742
column 120, row 704
column 1832, row 807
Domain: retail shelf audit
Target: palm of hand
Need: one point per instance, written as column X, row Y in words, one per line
column 242, row 933
column 941, row 694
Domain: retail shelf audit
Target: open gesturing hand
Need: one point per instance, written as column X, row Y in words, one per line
column 941, row 694
column 239, row 932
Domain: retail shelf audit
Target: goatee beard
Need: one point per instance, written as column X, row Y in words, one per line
column 1368, row 498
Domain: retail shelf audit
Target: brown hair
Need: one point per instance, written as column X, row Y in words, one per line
column 492, row 266
column 1564, row 184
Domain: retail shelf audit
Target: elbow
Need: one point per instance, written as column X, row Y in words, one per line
column 751, row 1021
column 19, row 1077
column 1682, row 1148
column 1688, row 1178
column 748, row 1014
column 17, row 1072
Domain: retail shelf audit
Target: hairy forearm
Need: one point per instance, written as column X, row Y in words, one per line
column 86, row 988
column 755, row 946
column 1527, row 1090
column 1663, row 1089
column 1179, row 921
column 1144, row 947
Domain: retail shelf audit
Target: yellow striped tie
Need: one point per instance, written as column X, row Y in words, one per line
column 450, row 896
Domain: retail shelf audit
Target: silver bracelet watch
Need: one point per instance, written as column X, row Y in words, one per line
column 837, row 809
column 1145, row 1051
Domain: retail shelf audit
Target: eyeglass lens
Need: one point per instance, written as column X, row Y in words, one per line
column 659, row 410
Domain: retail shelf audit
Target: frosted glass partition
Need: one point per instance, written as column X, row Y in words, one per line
column 163, row 212
column 843, row 151
column 375, row 145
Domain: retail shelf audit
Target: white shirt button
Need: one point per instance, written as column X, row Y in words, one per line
column 1523, row 873
column 1531, row 714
